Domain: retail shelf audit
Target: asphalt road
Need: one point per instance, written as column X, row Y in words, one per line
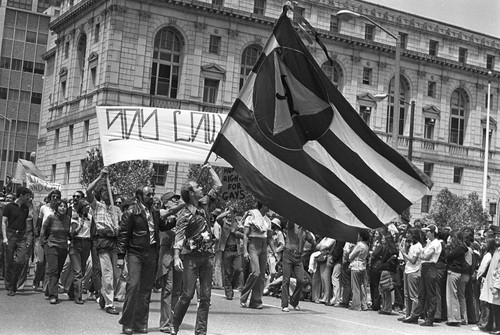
column 29, row 313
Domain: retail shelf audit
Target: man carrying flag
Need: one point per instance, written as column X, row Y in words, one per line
column 291, row 136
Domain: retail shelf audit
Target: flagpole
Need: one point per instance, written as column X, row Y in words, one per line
column 487, row 141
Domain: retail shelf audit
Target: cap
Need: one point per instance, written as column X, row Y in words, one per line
column 433, row 228
column 276, row 222
column 169, row 195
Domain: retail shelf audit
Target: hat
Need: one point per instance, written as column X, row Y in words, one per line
column 169, row 195
column 276, row 222
column 431, row 228
column 216, row 212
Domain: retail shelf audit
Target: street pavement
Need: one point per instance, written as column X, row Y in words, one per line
column 29, row 313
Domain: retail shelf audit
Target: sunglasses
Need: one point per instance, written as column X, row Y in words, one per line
column 55, row 196
column 77, row 196
column 118, row 202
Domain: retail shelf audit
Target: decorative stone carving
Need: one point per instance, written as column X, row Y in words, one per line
column 382, row 65
column 421, row 73
column 93, row 57
column 200, row 26
column 90, row 20
column 63, row 72
column 232, row 33
column 144, row 14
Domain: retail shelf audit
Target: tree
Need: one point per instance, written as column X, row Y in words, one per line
column 239, row 206
column 124, row 177
column 451, row 210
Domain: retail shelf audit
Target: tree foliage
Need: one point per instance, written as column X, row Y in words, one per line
column 124, row 177
column 451, row 210
column 205, row 181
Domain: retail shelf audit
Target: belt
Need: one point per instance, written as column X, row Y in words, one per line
column 19, row 231
column 232, row 247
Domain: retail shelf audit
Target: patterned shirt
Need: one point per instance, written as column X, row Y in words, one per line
column 106, row 218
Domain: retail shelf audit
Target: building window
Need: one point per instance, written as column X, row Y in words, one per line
column 457, row 175
column 431, row 89
column 428, row 169
column 63, row 89
column 70, row 134
column 5, row 63
column 429, row 128
column 248, row 59
column 483, row 141
column 21, row 4
column 97, row 31
column 259, row 7
column 433, row 47
column 67, row 173
column 56, row 138
column 53, row 173
column 166, row 63
column 93, row 77
column 28, row 66
column 214, row 46
column 217, row 2
column 404, row 87
column 367, row 75
column 493, row 208
column 403, row 40
column 210, row 90
column 25, row 96
column 39, row 68
column 17, row 64
column 3, row 93
column 13, row 95
column 490, row 62
column 66, row 50
column 486, row 100
column 86, row 130
column 42, row 39
column 364, row 112
column 160, row 174
column 43, row 5
column 334, row 73
column 31, row 37
column 369, row 32
column 81, row 57
column 36, row 98
column 459, row 107
column 334, row 24
column 462, row 55
column 426, row 203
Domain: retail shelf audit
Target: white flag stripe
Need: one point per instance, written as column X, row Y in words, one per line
column 291, row 180
column 409, row 187
column 371, row 199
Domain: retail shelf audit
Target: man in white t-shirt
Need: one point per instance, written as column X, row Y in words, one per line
column 427, row 297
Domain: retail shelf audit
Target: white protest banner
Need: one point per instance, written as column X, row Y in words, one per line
column 40, row 186
column 130, row 133
column 232, row 187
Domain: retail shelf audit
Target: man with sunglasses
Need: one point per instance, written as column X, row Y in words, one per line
column 107, row 218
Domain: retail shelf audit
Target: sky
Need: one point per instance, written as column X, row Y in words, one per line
column 482, row 16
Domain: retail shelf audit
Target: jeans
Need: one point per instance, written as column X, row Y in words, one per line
column 15, row 256
column 231, row 267
column 171, row 285
column 40, row 263
column 196, row 265
column 411, row 285
column 386, row 295
column 141, row 268
column 79, row 253
column 462, row 283
column 291, row 261
column 55, row 258
column 358, row 284
column 345, row 282
column 336, row 289
column 257, row 250
column 427, row 297
column 452, row 301
column 374, row 292
column 109, row 275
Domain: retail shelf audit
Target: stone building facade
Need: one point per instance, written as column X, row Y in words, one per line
column 24, row 32
column 195, row 55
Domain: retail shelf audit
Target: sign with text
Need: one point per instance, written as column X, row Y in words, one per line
column 40, row 186
column 232, row 186
column 130, row 133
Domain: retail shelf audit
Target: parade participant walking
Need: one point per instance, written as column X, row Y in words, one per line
column 427, row 299
column 194, row 239
column 257, row 236
column 55, row 235
column 139, row 239
column 82, row 228
column 107, row 218
column 357, row 258
column 17, row 235
column 230, row 246
column 292, row 261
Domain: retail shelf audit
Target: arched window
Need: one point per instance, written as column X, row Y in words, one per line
column 334, row 73
column 248, row 59
column 404, row 92
column 459, row 110
column 166, row 63
column 81, row 53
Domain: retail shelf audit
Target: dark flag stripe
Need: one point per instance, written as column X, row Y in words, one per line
column 298, row 210
column 351, row 161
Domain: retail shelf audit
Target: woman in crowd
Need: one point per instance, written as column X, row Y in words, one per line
column 358, row 258
column 485, row 307
column 55, row 235
column 81, row 243
column 374, row 266
column 455, row 286
column 388, row 268
column 321, row 282
column 412, row 270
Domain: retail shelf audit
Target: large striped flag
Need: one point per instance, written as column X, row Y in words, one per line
column 300, row 147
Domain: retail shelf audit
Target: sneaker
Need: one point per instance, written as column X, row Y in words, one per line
column 101, row 301
column 297, row 308
column 53, row 301
column 285, row 309
column 165, row 330
column 463, row 323
column 411, row 320
column 111, row 310
column 402, row 318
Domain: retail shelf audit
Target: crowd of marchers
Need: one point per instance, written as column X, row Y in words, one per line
column 113, row 251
